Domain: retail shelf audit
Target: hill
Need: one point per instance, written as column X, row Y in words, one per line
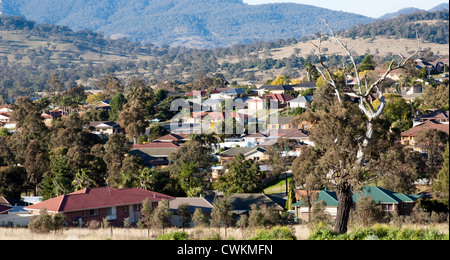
column 30, row 53
column 191, row 23
column 411, row 10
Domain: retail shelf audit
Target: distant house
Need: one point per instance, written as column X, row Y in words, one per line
column 4, row 209
column 408, row 137
column 82, row 207
column 232, row 93
column 388, row 201
column 173, row 138
column 280, row 123
column 302, row 101
column 104, row 127
column 212, row 104
column 155, row 154
column 197, row 94
column 437, row 116
column 283, row 89
column 279, row 98
column 243, row 202
column 255, row 104
column 253, row 153
column 5, row 109
column 193, row 204
column 4, row 118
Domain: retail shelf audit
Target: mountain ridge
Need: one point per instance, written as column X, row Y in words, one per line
column 190, row 23
column 410, row 10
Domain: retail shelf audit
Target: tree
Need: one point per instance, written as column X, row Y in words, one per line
column 36, row 164
column 222, row 214
column 116, row 103
column 307, row 174
column 190, row 152
column 192, row 180
column 437, row 97
column 116, row 148
column 241, row 176
column 184, row 214
column 442, row 183
column 61, row 173
column 132, row 118
column 432, row 142
column 199, row 218
column 262, row 216
column 12, row 180
column 161, row 215
column 346, row 156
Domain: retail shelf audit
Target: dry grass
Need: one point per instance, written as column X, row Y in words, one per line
column 300, row 231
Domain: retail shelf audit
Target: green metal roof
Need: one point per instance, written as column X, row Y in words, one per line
column 381, row 195
column 378, row 194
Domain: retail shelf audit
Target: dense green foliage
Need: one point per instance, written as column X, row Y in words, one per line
column 408, row 27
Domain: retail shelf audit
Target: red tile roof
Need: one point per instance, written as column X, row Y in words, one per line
column 171, row 137
column 98, row 198
column 280, row 97
column 425, row 126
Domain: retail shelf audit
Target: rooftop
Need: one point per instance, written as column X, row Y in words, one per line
column 98, row 198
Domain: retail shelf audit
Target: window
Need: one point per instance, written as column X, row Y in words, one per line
column 111, row 213
column 94, row 212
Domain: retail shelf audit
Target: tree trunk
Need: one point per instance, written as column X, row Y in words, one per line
column 345, row 202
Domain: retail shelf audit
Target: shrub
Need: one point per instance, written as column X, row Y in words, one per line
column 174, row 236
column 381, row 232
column 275, row 233
column 45, row 223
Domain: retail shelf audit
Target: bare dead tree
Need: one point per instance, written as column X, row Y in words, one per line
column 344, row 189
column 363, row 91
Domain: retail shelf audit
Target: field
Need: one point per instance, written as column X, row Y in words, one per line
column 301, row 232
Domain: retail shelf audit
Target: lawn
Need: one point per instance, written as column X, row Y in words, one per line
column 277, row 186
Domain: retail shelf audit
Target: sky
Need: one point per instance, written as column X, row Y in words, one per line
column 370, row 8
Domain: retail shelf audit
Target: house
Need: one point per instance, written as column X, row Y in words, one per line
column 388, row 200
column 197, row 94
column 255, row 104
column 4, row 118
column 279, row 98
column 304, row 86
column 255, row 138
column 232, row 93
column 5, row 109
column 173, row 138
column 243, row 202
column 253, row 153
column 155, row 154
column 411, row 90
column 4, row 209
column 104, row 127
column 193, row 204
column 212, row 104
column 280, row 123
column 408, row 137
column 302, row 101
column 83, row 206
column 437, row 116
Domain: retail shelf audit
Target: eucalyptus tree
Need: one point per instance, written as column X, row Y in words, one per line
column 348, row 136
